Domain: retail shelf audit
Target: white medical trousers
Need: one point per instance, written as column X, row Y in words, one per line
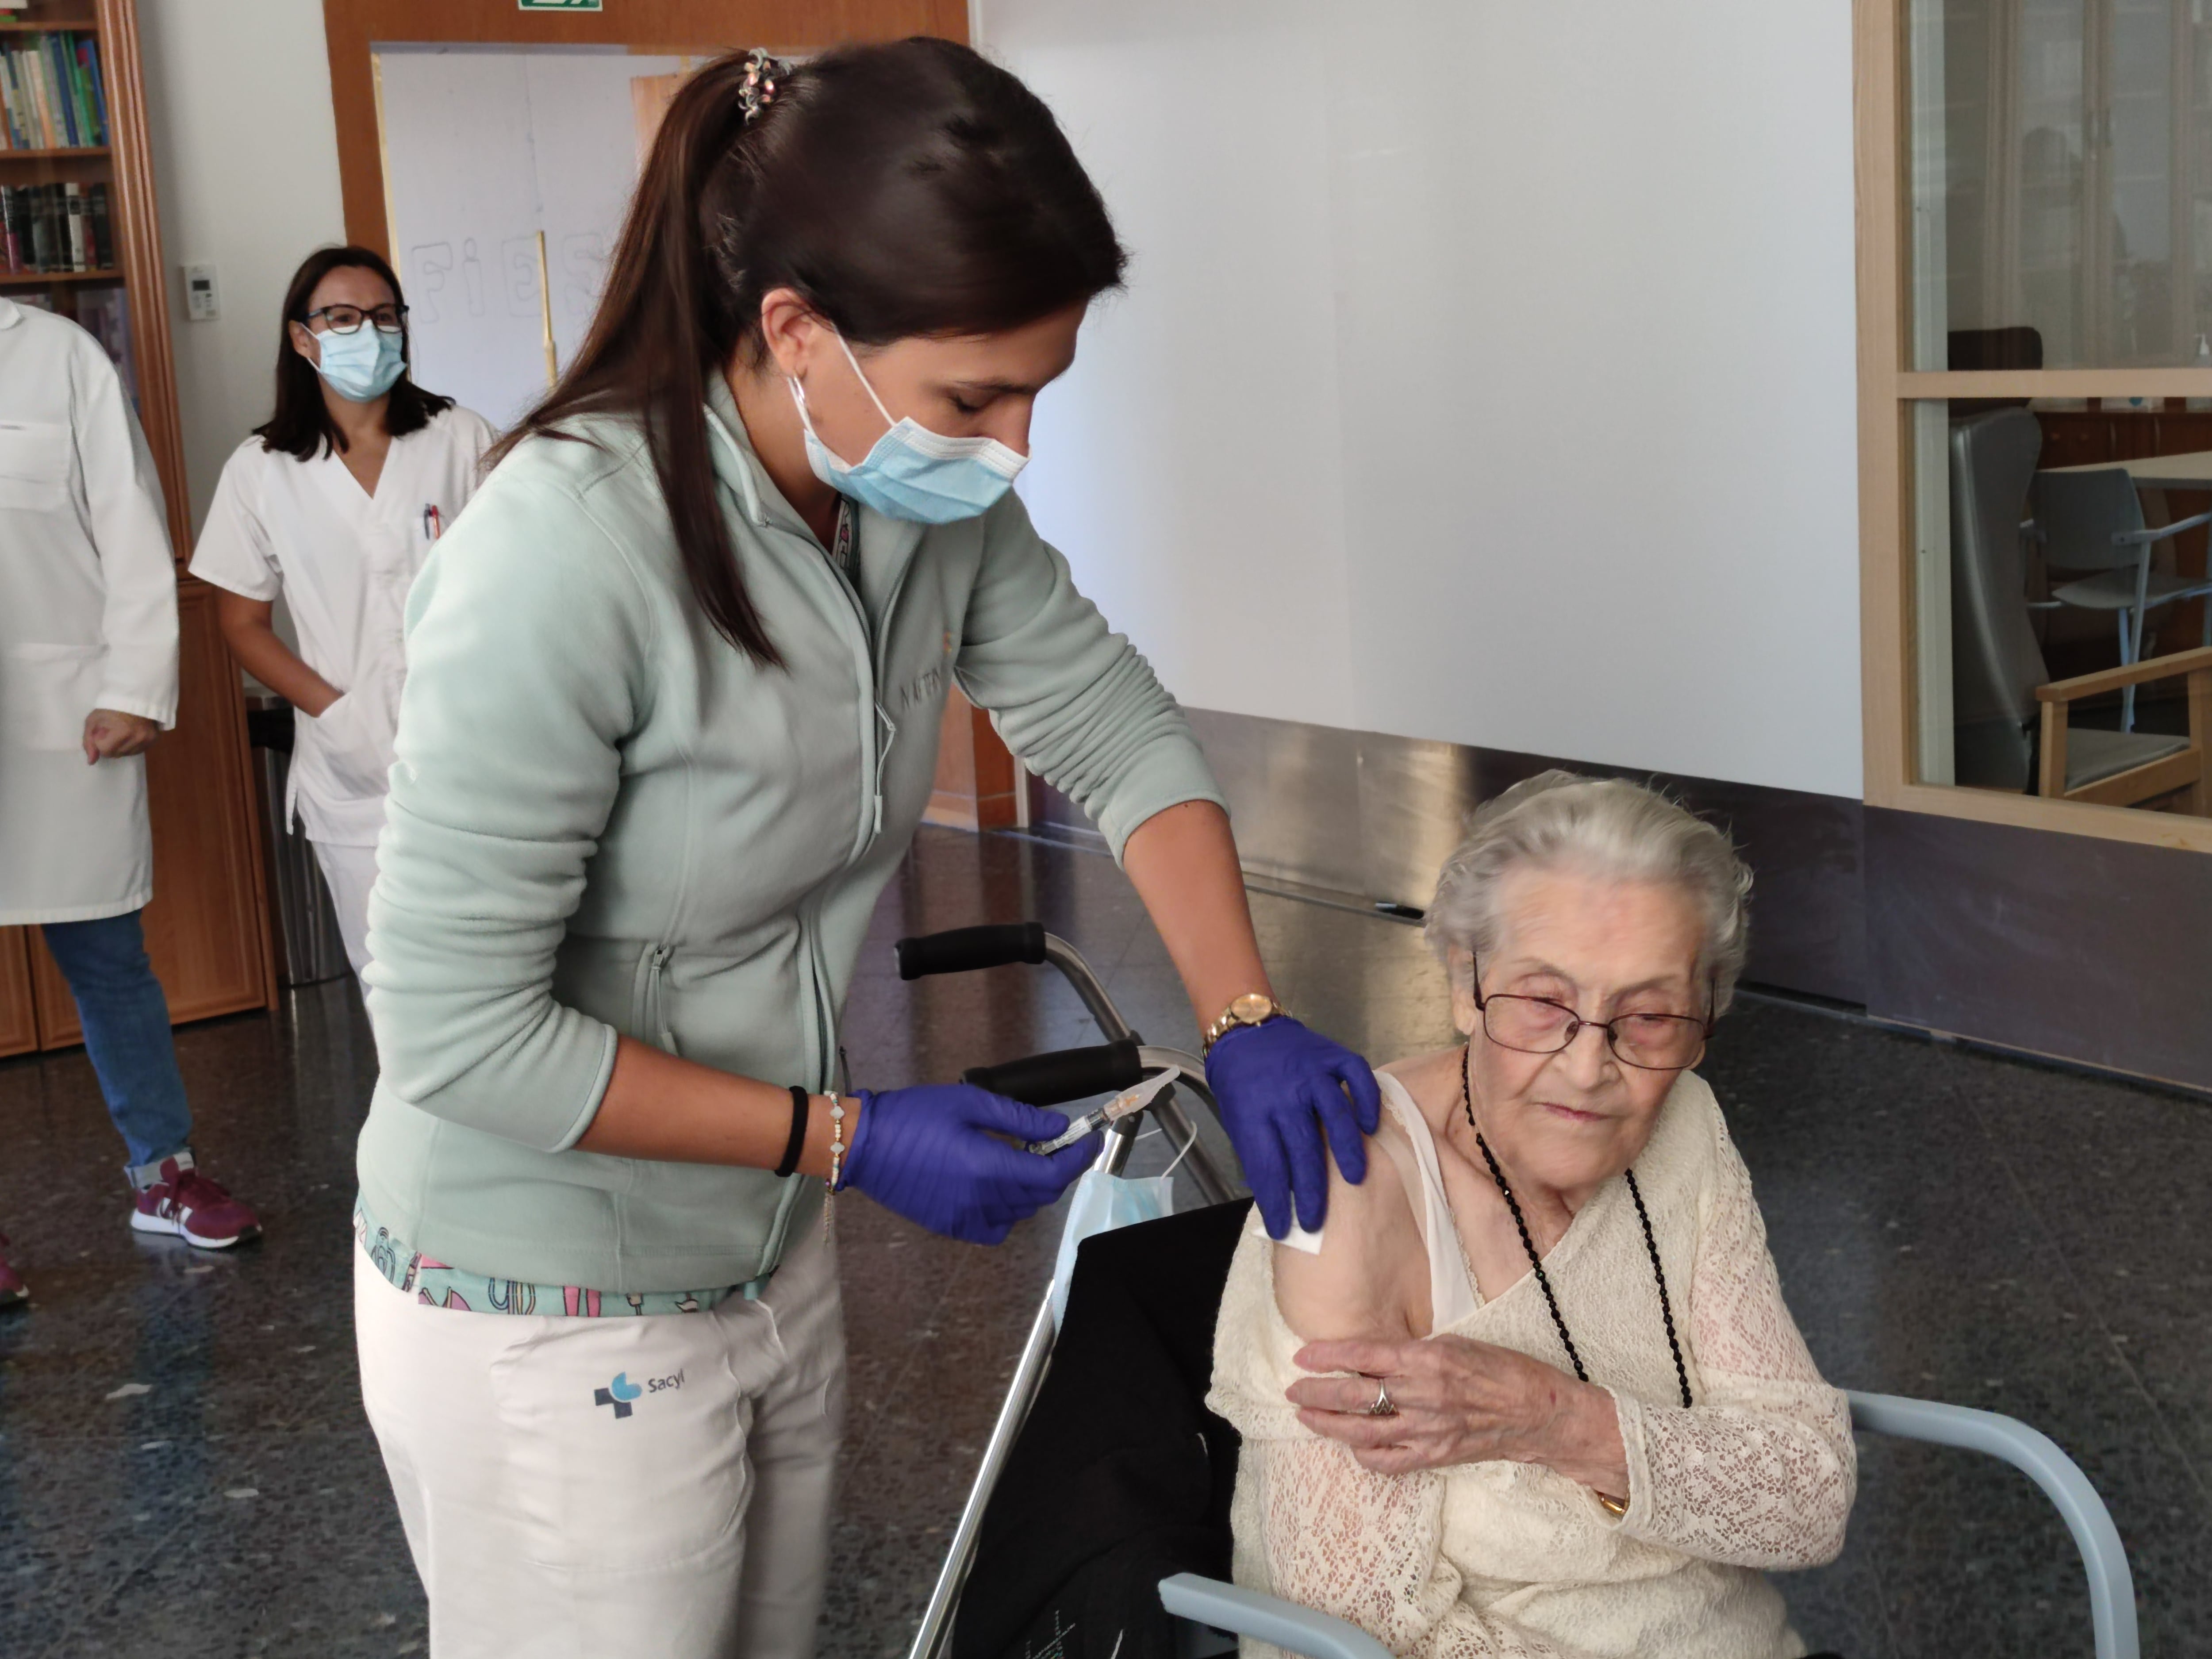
column 349, row 873
column 550, row 1517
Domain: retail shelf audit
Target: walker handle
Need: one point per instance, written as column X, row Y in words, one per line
column 1064, row 1075
column 963, row 949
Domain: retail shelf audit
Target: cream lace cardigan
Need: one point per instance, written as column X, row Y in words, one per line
column 1510, row 1559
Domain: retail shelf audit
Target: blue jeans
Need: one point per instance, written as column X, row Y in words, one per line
column 127, row 1032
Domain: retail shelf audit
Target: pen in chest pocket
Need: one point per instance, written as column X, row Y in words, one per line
column 434, row 523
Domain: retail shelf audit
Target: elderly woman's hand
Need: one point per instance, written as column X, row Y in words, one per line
column 1461, row 1402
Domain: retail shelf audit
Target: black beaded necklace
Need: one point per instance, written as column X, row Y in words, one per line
column 1536, row 1263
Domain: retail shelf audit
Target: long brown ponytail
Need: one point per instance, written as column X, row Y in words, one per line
column 906, row 189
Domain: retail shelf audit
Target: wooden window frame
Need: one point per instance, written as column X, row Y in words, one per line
column 1888, row 389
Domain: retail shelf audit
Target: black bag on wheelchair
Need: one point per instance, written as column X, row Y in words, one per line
column 1121, row 1477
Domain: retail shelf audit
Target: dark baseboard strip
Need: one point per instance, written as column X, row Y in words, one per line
column 1361, row 818
column 1804, row 1001
column 1052, row 833
column 2050, row 947
column 1853, row 1014
column 1073, row 839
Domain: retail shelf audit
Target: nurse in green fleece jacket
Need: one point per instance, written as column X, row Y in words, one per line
column 671, row 720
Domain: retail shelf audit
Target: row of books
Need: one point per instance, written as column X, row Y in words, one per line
column 51, row 95
column 56, row 229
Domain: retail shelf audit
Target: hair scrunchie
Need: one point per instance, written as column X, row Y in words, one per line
column 763, row 73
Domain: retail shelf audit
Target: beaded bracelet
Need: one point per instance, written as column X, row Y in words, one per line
column 836, row 1142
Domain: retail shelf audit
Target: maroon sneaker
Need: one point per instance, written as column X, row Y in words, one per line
column 186, row 1203
column 13, row 1291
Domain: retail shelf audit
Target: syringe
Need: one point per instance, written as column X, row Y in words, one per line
column 1133, row 1100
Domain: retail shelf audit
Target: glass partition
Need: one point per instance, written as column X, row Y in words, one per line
column 2060, row 161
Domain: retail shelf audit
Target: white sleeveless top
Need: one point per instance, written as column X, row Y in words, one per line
column 1513, row 1558
column 1452, row 1292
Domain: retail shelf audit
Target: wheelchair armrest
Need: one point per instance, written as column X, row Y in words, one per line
column 1246, row 1613
column 2111, row 1587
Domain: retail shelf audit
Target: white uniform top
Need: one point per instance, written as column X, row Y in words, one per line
column 88, row 620
column 343, row 562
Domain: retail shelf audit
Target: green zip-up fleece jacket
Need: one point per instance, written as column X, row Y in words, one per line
column 603, row 819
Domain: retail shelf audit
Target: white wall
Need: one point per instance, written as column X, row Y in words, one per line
column 1487, row 371
column 245, row 172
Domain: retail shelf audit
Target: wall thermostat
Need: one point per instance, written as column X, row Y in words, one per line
column 201, row 304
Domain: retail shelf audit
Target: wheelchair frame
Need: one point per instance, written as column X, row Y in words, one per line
column 1212, row 1611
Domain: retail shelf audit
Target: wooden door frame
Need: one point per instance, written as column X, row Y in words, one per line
column 145, row 275
column 1888, row 388
column 356, row 27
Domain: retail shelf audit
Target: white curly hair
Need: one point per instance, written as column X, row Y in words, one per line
column 1610, row 827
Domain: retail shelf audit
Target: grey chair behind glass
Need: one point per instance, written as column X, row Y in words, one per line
column 2092, row 522
column 1996, row 663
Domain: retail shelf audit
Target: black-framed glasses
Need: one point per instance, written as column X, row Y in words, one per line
column 1538, row 1025
column 348, row 319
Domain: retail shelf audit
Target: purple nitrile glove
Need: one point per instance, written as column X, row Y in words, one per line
column 1280, row 1087
column 928, row 1153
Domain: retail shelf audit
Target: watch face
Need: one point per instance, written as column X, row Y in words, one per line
column 1251, row 1008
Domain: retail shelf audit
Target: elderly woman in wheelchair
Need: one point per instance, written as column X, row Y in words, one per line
column 1533, row 1389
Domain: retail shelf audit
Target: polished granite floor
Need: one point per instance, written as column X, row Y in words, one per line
column 183, row 1466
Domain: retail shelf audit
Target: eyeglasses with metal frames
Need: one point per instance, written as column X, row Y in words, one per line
column 1538, row 1025
column 348, row 319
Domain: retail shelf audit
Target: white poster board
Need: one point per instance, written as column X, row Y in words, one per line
column 483, row 148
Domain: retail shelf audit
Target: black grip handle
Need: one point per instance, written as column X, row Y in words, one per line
column 964, row 950
column 1066, row 1074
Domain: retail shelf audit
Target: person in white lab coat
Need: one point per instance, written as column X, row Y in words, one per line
column 88, row 682
column 334, row 503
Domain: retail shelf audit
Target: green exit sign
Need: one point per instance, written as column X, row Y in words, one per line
column 558, row 5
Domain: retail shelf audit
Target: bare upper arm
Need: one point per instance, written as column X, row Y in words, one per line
column 1371, row 1278
column 235, row 611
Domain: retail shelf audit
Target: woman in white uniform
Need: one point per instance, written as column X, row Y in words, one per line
column 334, row 503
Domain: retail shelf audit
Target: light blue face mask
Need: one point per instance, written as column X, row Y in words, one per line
column 1100, row 1202
column 362, row 365
column 911, row 472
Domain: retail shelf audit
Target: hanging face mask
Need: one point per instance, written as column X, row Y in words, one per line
column 362, row 365
column 911, row 472
column 1100, row 1202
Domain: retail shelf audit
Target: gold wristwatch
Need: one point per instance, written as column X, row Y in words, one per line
column 1253, row 1008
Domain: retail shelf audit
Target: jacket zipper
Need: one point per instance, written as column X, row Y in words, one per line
column 656, row 1019
column 870, row 824
column 881, row 731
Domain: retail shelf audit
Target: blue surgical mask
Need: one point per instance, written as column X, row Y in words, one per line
column 1099, row 1204
column 911, row 472
column 362, row 365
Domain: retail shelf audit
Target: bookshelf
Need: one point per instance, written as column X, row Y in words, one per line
column 132, row 288
column 207, row 929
